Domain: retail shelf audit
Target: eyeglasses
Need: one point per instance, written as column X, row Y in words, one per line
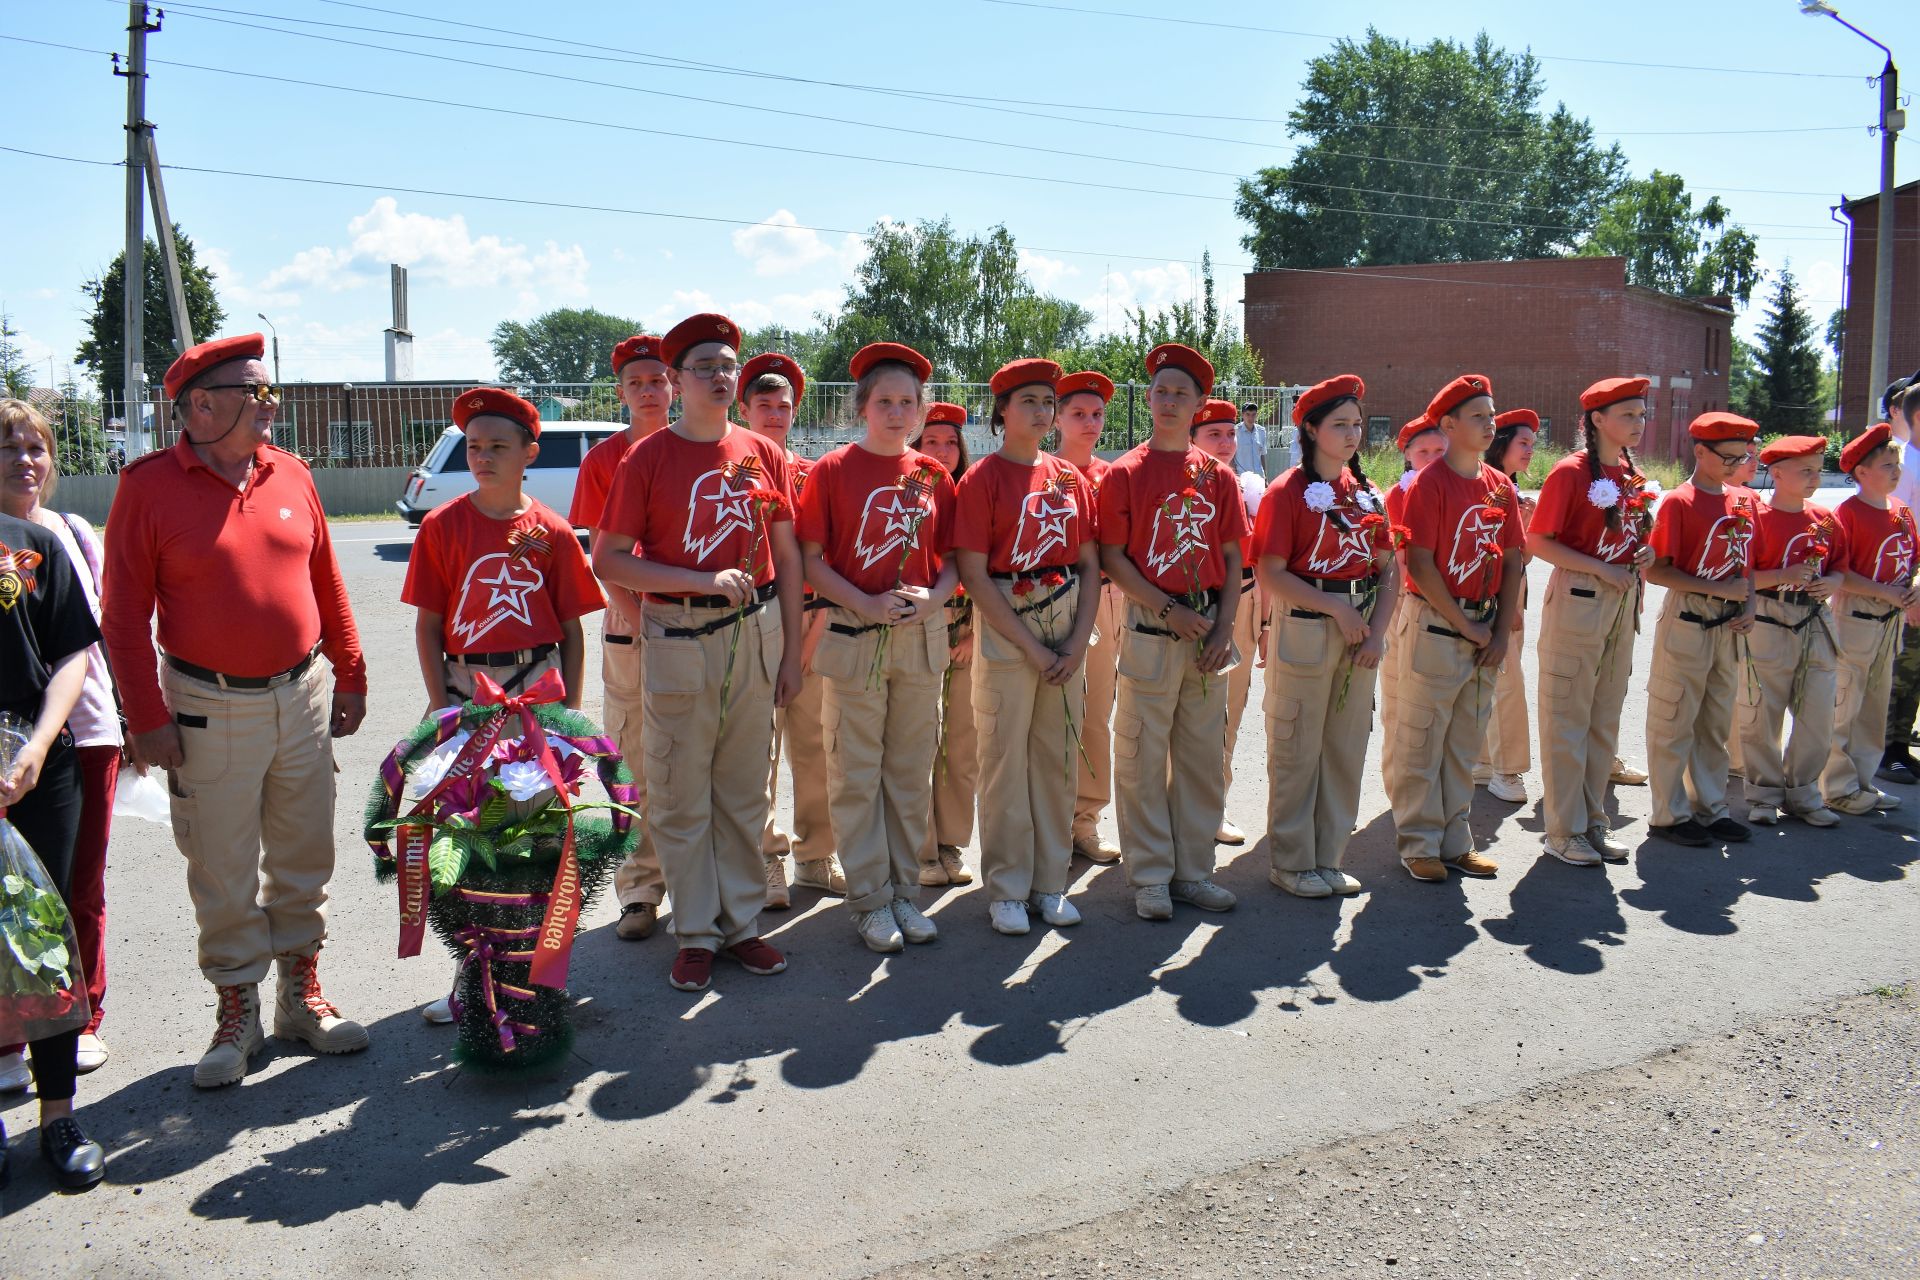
column 1734, row 460
column 262, row 392
column 707, row 371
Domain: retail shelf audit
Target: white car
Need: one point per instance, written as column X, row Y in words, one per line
column 444, row 477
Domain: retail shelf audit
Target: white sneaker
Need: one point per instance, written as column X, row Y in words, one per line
column 1885, row 800
column 14, row 1075
column 879, row 930
column 1153, row 902
column 1229, row 834
column 914, row 926
column 438, row 1012
column 1339, row 881
column 1055, row 909
column 1574, row 851
column 1510, row 787
column 1820, row 817
column 90, row 1054
column 1857, row 805
column 1204, row 894
column 1763, row 815
column 1301, row 884
column 1008, row 915
column 1600, row 840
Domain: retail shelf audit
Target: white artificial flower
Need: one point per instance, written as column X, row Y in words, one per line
column 1364, row 499
column 1406, row 480
column 1604, row 493
column 1320, row 497
column 431, row 768
column 524, row 779
column 1650, row 487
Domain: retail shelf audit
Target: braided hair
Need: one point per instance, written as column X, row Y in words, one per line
column 1310, row 452
column 1590, row 437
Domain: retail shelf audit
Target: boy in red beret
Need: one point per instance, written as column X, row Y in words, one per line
column 1080, row 418
column 497, row 578
column 1798, row 549
column 1700, row 539
column 771, row 385
column 641, row 376
column 1170, row 526
column 700, row 521
column 1464, row 567
column 1879, row 588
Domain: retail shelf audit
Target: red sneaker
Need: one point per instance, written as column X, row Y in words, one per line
column 756, row 955
column 692, row 969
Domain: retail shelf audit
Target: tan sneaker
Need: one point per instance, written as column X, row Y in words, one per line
column 1095, row 849
column 954, row 865
column 1510, row 787
column 823, row 874
column 1204, row 894
column 1857, row 805
column 1818, row 817
column 1625, row 775
column 1153, row 902
column 1473, row 863
column 637, row 920
column 1432, row 870
column 933, row 875
column 1301, row 884
column 1228, row 833
column 301, row 1011
column 1600, row 840
column 236, row 1038
column 1574, row 851
column 778, row 899
column 1339, row 881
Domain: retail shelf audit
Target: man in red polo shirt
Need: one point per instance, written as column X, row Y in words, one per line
column 224, row 536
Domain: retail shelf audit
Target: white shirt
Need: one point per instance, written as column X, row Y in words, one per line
column 1908, row 490
column 95, row 721
column 1250, row 450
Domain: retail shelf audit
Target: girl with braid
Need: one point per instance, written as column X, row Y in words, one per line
column 1590, row 524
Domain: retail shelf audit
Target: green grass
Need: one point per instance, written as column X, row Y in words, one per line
column 1887, row 991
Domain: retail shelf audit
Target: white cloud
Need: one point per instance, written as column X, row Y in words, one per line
column 779, row 246
column 236, row 294
column 1153, row 288
column 1045, row 273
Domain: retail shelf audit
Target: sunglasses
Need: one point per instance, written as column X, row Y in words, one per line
column 260, row 392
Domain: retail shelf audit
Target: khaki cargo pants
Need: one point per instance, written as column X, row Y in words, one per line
column 1441, row 700
column 1316, row 744
column 622, row 673
column 797, row 730
column 1094, row 788
column 1246, row 641
column 1868, row 634
column 956, row 761
column 1587, row 630
column 1691, row 686
column 1790, row 778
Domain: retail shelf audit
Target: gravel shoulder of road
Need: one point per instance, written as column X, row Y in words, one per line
column 1789, row 1148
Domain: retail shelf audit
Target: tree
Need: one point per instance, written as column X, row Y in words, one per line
column 1122, row 355
column 1745, row 396
column 570, row 344
column 104, row 351
column 964, row 303
column 14, row 374
column 1837, row 333
column 1671, row 246
column 1434, row 154
column 1787, row 385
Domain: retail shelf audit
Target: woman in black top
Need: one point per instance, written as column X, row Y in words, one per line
column 45, row 630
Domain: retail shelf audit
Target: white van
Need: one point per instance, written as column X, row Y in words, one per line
column 443, row 476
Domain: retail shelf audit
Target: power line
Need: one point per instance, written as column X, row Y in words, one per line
column 1320, row 35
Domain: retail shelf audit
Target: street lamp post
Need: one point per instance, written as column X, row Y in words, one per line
column 1892, row 120
column 276, row 346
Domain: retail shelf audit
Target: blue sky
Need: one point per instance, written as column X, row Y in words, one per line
column 314, row 257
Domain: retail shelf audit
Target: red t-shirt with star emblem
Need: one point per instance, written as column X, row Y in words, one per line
column 1705, row 534
column 1022, row 518
column 686, row 502
column 595, row 480
column 1567, row 514
column 1181, row 549
column 1445, row 513
column 1782, row 538
column 1314, row 544
column 1880, row 541
column 494, row 596
column 1095, row 474
column 874, row 532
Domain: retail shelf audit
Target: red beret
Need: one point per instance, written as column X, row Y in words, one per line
column 1074, row 384
column 1456, row 393
column 1781, row 448
column 1612, row 391
column 1709, row 428
column 1015, row 374
column 1173, row 355
column 195, row 361
column 1417, row 427
column 708, row 326
column 1863, row 444
column 1215, row 411
column 953, row 415
column 642, row 346
column 1518, row 418
column 1347, row 386
column 482, row 401
column 773, row 362
column 876, row 352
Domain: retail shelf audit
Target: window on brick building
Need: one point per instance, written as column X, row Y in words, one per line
column 1546, row 428
column 1379, row 430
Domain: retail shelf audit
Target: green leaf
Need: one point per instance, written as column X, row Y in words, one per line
column 446, row 861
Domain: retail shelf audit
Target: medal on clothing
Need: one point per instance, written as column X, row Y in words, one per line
column 16, row 574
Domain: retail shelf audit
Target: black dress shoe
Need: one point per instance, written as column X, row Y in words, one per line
column 1899, row 766
column 1689, row 833
column 77, row 1160
column 1729, row 830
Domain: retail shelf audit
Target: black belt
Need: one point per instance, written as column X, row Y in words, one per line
column 1787, row 596
column 1585, row 593
column 274, row 681
column 1072, row 571
column 761, row 594
column 613, row 639
column 1470, row 606
column 1788, row 626
column 1199, row 602
column 1342, row 586
column 720, row 623
column 509, row 658
column 844, row 629
column 816, row 603
column 1875, row 617
column 1708, row 624
column 1044, row 601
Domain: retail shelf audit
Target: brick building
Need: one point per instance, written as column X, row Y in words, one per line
column 1859, row 403
column 1542, row 329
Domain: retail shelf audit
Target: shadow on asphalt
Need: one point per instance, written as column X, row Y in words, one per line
column 393, row 552
column 839, row 1005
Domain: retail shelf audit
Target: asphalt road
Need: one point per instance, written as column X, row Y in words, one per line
column 861, row 1113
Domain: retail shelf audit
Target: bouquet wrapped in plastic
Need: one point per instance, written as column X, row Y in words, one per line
column 42, row 989
column 474, row 816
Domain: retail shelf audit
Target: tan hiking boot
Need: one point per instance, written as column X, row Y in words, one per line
column 236, row 1037
column 301, row 1011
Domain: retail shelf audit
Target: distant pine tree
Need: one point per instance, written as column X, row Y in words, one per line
column 1786, row 392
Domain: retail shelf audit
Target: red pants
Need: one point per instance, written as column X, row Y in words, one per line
column 87, row 890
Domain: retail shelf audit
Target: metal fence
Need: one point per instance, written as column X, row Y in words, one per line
column 339, row 424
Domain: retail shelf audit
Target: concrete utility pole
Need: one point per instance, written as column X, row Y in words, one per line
column 134, row 277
